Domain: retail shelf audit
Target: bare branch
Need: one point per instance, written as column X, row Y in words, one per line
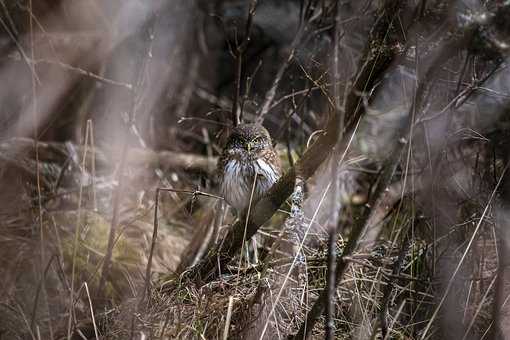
column 56, row 152
column 239, row 52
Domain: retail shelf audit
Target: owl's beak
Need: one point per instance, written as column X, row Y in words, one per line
column 248, row 147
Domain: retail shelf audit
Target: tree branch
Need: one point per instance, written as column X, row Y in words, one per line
column 57, row 152
column 236, row 112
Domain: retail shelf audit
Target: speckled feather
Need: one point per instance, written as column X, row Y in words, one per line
column 248, row 151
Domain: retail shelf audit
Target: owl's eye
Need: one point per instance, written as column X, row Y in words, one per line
column 257, row 140
column 235, row 144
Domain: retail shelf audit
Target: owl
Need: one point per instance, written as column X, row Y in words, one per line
column 248, row 159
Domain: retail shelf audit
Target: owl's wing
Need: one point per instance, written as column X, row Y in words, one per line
column 266, row 170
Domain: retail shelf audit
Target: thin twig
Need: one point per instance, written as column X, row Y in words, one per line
column 236, row 111
column 93, row 162
column 80, row 71
column 38, row 291
column 468, row 247
column 146, row 288
column 246, row 223
column 117, row 196
column 397, row 265
column 480, row 306
column 192, row 192
column 91, row 311
column 34, row 106
column 76, row 238
column 20, row 47
column 229, row 316
column 271, row 93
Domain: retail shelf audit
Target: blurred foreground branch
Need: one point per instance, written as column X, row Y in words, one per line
column 377, row 198
column 58, row 152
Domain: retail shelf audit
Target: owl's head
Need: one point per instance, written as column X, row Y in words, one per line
column 249, row 139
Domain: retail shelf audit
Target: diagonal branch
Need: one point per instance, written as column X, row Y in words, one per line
column 208, row 269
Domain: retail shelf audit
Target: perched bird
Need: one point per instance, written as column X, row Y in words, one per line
column 248, row 156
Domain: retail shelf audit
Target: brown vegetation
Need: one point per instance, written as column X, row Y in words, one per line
column 389, row 222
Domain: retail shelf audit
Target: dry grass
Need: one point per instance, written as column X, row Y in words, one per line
column 104, row 104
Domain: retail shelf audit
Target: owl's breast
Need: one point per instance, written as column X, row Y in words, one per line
column 235, row 185
column 238, row 181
